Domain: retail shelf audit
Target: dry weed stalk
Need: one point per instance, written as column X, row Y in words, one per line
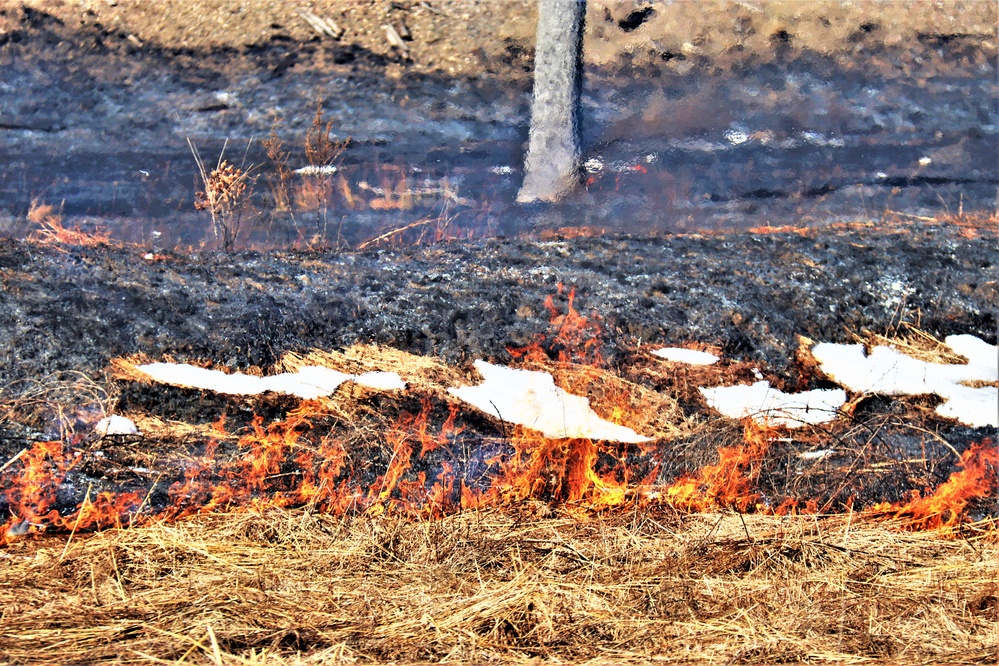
column 227, row 191
column 279, row 182
column 431, row 229
column 322, row 153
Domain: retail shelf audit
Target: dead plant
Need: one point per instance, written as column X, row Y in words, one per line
column 227, row 191
column 50, row 230
column 322, row 154
column 279, row 181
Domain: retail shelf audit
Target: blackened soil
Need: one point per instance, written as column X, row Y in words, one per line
column 75, row 308
column 707, row 115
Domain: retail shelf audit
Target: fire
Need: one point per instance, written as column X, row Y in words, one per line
column 33, row 496
column 563, row 471
column 730, row 482
column 572, row 338
column 413, row 466
column 944, row 507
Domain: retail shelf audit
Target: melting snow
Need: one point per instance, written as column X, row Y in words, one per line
column 530, row 398
column 888, row 371
column 681, row 355
column 314, row 170
column 769, row 405
column 115, row 425
column 308, row 383
column 816, row 455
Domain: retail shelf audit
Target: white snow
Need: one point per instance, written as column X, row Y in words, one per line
column 886, row 370
column 308, row 383
column 816, row 455
column 689, row 356
column 735, row 137
column 774, row 407
column 317, row 170
column 115, row 425
column 531, row 399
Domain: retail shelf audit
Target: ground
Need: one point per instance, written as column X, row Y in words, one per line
column 717, row 115
column 759, row 178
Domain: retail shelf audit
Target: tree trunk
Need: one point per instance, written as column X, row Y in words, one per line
column 552, row 165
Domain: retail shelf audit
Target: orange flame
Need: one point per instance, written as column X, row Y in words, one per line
column 290, row 463
column 945, row 506
column 728, row 483
column 32, row 497
column 573, row 337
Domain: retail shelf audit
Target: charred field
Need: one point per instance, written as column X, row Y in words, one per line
column 408, row 527
column 759, row 180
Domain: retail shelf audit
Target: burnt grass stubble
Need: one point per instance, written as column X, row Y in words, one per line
column 72, row 310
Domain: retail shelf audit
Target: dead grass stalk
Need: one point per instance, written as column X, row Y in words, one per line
column 227, row 191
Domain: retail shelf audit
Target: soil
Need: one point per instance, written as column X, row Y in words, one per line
column 696, row 115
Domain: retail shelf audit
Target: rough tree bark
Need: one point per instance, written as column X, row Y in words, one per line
column 551, row 168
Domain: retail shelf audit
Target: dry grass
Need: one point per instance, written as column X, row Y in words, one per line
column 423, row 373
column 50, row 230
column 56, row 405
column 295, row 587
column 911, row 341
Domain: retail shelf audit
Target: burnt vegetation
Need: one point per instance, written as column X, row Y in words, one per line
column 817, row 165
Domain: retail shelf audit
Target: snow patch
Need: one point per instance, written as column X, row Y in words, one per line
column 689, row 356
column 115, row 425
column 773, row 407
column 308, row 383
column 888, row 371
column 317, row 170
column 816, row 455
column 531, row 399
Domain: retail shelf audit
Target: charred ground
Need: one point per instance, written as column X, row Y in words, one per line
column 751, row 294
column 697, row 115
column 70, row 310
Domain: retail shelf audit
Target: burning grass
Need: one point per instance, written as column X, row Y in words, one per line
column 519, row 586
column 49, row 229
column 387, row 528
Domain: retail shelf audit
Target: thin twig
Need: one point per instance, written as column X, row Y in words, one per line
column 13, row 460
column 395, row 232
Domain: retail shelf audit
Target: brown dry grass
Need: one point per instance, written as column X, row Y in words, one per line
column 54, row 402
column 911, row 341
column 50, row 230
column 295, row 587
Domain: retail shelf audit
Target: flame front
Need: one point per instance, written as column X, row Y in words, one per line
column 945, row 506
column 730, row 482
column 414, row 467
